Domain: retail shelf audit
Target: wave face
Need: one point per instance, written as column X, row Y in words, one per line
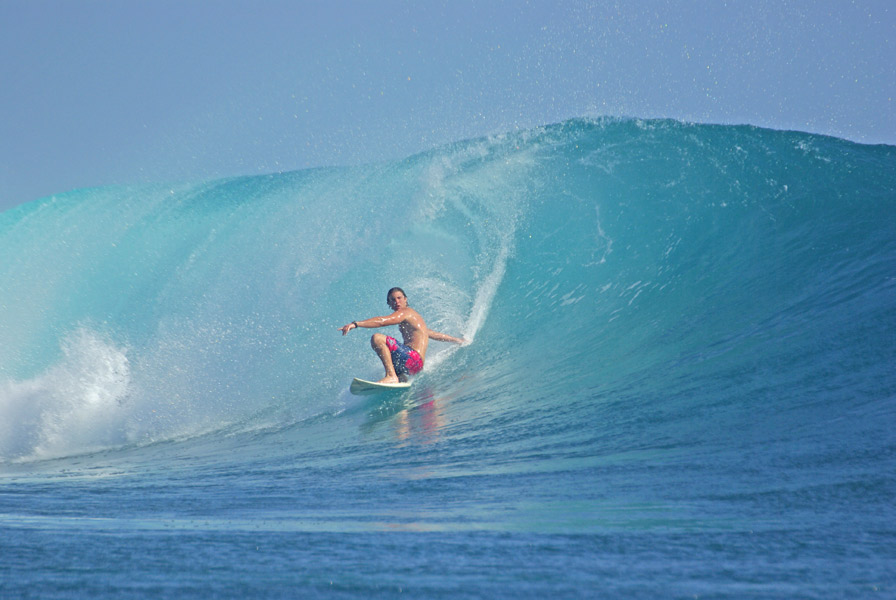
column 680, row 324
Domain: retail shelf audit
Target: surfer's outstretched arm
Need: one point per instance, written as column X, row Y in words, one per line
column 393, row 319
column 444, row 337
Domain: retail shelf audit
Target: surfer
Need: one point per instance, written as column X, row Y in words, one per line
column 401, row 359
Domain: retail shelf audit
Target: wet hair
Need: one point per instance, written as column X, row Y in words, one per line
column 395, row 289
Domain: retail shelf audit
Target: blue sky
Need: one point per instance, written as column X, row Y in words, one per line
column 98, row 92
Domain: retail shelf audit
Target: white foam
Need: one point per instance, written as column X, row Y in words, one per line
column 75, row 406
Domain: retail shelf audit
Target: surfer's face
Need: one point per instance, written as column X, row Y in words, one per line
column 397, row 300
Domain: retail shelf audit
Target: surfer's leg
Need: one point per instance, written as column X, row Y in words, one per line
column 378, row 343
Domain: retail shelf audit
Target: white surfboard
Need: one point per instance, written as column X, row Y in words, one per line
column 362, row 387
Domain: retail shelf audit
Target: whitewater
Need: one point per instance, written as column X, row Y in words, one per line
column 679, row 381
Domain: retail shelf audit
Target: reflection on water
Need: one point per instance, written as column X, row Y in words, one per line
column 416, row 417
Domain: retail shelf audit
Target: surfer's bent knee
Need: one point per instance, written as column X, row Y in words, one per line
column 377, row 339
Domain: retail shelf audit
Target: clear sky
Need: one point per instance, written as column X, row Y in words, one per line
column 97, row 92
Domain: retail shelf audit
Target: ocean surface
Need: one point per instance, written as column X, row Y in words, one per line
column 680, row 381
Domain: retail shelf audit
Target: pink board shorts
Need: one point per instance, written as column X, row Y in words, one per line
column 405, row 359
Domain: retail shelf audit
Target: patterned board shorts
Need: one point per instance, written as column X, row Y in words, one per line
column 406, row 360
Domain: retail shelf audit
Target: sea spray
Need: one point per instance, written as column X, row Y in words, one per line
column 226, row 294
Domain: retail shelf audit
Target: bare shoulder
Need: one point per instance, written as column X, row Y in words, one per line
column 405, row 313
column 412, row 317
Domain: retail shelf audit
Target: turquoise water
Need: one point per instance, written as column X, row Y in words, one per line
column 680, row 380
